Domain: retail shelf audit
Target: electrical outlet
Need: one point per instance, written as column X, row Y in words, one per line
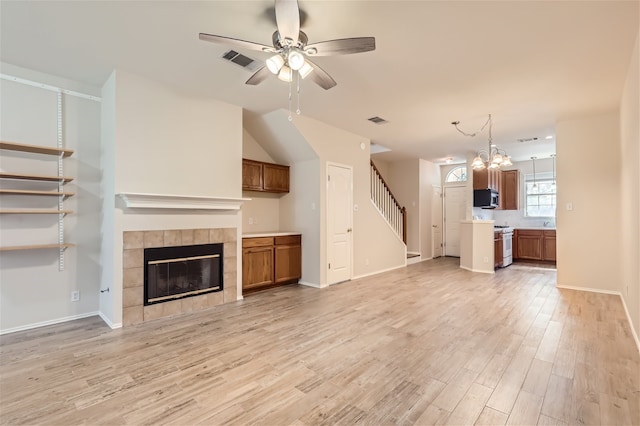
column 250, row 221
column 75, row 295
column 486, row 259
column 366, row 262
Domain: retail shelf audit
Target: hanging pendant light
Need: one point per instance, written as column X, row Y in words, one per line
column 535, row 185
column 553, row 158
column 496, row 158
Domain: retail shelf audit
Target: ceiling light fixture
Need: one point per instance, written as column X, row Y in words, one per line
column 495, row 157
column 535, row 185
column 553, row 158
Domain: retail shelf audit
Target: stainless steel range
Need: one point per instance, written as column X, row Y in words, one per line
column 507, row 244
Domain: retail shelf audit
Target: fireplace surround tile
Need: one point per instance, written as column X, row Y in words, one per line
column 133, row 272
column 153, row 239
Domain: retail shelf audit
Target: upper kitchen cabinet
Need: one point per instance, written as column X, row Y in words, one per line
column 487, row 178
column 264, row 177
column 509, row 191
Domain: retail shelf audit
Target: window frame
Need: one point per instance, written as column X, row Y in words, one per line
column 540, row 180
column 465, row 174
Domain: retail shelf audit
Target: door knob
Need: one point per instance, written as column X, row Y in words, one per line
column 349, row 230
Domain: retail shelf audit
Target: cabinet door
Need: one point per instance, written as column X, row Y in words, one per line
column 498, row 255
column 481, row 179
column 288, row 263
column 549, row 246
column 509, row 190
column 530, row 247
column 276, row 178
column 257, row 267
column 251, row 175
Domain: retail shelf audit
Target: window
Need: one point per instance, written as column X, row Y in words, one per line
column 541, row 201
column 457, row 174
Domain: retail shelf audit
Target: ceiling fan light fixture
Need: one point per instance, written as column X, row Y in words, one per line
column 275, row 63
column 305, row 70
column 285, row 74
column 295, row 59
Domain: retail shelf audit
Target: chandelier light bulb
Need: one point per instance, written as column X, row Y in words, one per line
column 285, row 74
column 295, row 60
column 275, row 63
column 506, row 161
column 477, row 163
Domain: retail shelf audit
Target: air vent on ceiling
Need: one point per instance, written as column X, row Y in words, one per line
column 241, row 60
column 527, row 140
column 377, row 120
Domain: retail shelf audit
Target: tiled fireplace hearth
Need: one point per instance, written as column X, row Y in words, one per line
column 134, row 243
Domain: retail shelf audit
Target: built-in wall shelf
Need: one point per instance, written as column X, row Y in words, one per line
column 32, row 192
column 34, row 211
column 35, row 149
column 38, row 247
column 43, row 178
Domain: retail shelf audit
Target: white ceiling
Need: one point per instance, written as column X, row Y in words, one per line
column 529, row 63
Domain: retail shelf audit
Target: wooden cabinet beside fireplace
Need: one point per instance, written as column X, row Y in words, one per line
column 270, row 261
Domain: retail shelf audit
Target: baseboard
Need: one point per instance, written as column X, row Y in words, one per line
column 476, row 270
column 314, row 285
column 46, row 323
column 379, row 272
column 615, row 293
column 108, row 321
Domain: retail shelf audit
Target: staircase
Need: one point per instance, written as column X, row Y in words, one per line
column 387, row 204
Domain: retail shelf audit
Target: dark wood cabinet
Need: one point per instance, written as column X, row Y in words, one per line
column 264, row 177
column 270, row 261
column 498, row 255
column 534, row 244
column 509, row 199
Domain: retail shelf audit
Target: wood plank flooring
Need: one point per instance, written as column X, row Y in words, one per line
column 426, row 344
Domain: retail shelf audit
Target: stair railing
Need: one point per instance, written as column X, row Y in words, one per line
column 389, row 207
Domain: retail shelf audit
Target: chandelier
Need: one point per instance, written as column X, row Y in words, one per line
column 493, row 157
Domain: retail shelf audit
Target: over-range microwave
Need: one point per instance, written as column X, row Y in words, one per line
column 486, row 198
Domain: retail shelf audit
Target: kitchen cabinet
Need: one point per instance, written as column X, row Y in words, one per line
column 549, row 245
column 487, row 178
column 270, row 261
column 264, row 177
column 535, row 244
column 509, row 197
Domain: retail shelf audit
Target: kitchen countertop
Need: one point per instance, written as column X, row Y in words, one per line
column 535, row 228
column 269, row 234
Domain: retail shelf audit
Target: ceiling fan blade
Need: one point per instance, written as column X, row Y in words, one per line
column 259, row 76
column 234, row 42
column 288, row 19
column 320, row 77
column 343, row 46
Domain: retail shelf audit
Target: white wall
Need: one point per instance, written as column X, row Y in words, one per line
column 429, row 176
column 630, row 188
column 262, row 213
column 33, row 291
column 166, row 143
column 404, row 183
column 376, row 248
column 588, row 237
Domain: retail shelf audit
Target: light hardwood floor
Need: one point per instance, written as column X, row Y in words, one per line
column 426, row 344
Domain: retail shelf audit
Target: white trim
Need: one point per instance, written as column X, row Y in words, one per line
column 108, row 321
column 614, row 293
column 380, row 272
column 49, row 87
column 181, row 202
column 314, row 285
column 476, row 270
column 49, row 322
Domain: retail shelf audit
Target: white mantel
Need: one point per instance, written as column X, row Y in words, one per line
column 180, row 202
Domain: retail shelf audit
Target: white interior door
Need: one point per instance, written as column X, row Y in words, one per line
column 455, row 205
column 339, row 223
column 436, row 221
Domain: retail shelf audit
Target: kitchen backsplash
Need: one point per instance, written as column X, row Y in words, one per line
column 517, row 219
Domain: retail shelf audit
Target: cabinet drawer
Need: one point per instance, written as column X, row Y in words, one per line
column 551, row 233
column 288, row 240
column 257, row 242
column 529, row 233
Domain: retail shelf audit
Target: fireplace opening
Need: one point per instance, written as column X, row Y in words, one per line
column 172, row 273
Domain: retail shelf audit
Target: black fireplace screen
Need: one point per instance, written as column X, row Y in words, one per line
column 176, row 272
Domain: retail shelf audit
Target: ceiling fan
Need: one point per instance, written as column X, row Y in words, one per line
column 291, row 51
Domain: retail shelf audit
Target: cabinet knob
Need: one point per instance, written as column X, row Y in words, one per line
column 349, row 230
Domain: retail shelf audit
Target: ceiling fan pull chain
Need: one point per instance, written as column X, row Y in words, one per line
column 298, row 92
column 290, row 117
